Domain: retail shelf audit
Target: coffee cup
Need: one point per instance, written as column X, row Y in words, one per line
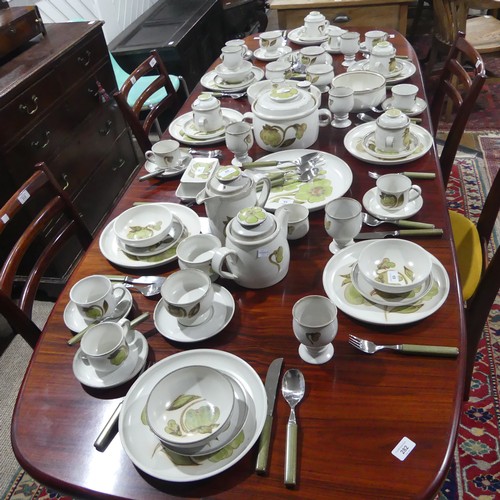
column 278, row 70
column 320, row 75
column 196, row 252
column 232, row 56
column 315, row 25
column 271, row 41
column 164, row 154
column 96, row 297
column 207, row 113
column 374, row 37
column 394, row 191
column 238, row 42
column 392, row 131
column 334, row 33
column 383, row 58
column 404, row 96
column 188, row 296
column 298, row 220
column 312, row 55
column 106, row 346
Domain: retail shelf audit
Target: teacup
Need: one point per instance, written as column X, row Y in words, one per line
column 196, row 252
column 238, row 42
column 188, row 296
column 232, row 56
column 334, row 33
column 96, row 297
column 278, row 70
column 106, row 346
column 271, row 41
column 383, row 58
column 207, row 113
column 404, row 96
column 343, row 220
column 312, row 55
column 298, row 220
column 320, row 75
column 164, row 154
column 315, row 25
column 374, row 37
column 315, row 325
column 392, row 131
column 394, row 191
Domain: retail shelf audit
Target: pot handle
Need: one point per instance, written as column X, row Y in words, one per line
column 325, row 117
column 265, row 191
column 220, row 257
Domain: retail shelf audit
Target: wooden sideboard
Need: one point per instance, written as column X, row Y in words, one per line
column 373, row 13
column 56, row 106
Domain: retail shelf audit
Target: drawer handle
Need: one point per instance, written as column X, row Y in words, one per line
column 66, row 181
column 85, row 61
column 24, row 107
column 12, row 30
column 341, row 18
column 107, row 128
column 121, row 163
column 45, row 137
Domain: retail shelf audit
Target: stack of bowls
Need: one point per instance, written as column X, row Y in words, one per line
column 196, row 410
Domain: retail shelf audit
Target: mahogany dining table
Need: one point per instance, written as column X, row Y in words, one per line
column 357, row 407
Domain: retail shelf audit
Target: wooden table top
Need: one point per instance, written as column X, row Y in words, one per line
column 357, row 407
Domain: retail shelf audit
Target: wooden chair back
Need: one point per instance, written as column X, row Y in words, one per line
column 42, row 209
column 460, row 82
column 141, row 128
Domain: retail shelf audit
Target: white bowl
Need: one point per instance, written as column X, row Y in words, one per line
column 368, row 86
column 236, row 75
column 257, row 88
column 190, row 406
column 143, row 225
column 394, row 266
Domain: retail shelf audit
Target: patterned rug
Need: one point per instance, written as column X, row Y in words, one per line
column 475, row 468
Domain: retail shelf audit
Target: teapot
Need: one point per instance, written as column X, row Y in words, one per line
column 257, row 254
column 227, row 191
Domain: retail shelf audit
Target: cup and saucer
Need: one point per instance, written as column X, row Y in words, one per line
column 264, row 55
column 170, row 171
column 419, row 107
column 373, row 207
column 74, row 320
column 86, row 374
column 222, row 312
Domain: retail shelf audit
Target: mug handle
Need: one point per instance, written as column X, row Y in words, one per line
column 149, row 155
column 417, row 192
column 129, row 331
column 118, row 287
column 220, row 257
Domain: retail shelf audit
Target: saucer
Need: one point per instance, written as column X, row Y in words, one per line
column 329, row 49
column 223, row 310
column 191, row 130
column 224, row 85
column 86, row 374
column 76, row 322
column 211, row 81
column 261, row 54
column 373, row 207
column 171, row 172
column 420, row 106
column 371, row 148
column 296, row 36
column 392, row 74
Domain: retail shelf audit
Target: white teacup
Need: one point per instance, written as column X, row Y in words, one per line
column 164, row 153
column 196, row 252
column 315, row 325
column 334, row 33
column 404, row 96
column 278, row 70
column 320, row 75
column 343, row 220
column 188, row 296
column 207, row 113
column 312, row 55
column 315, row 25
column 392, row 131
column 106, row 346
column 394, row 191
column 238, row 42
column 298, row 220
column 271, row 41
column 383, row 58
column 232, row 56
column 96, row 297
column 374, row 37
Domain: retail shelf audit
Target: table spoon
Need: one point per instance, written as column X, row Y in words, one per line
column 147, row 290
column 293, row 389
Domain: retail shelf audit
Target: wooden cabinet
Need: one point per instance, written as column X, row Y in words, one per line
column 56, row 106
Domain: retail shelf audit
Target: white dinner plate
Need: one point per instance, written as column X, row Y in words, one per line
column 314, row 195
column 142, row 446
column 407, row 70
column 373, row 207
column 111, row 250
column 353, row 141
column 211, row 81
column 176, row 128
column 296, row 36
column 338, row 287
column 419, row 108
column 262, row 55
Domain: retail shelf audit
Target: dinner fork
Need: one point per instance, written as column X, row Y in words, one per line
column 426, row 350
column 214, row 153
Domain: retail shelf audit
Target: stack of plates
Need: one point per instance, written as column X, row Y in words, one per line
column 370, row 147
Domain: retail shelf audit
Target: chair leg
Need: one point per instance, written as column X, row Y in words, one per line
column 184, row 85
column 158, row 128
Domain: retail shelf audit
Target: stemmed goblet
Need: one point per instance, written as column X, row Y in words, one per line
column 343, row 221
column 349, row 46
column 340, row 102
column 239, row 139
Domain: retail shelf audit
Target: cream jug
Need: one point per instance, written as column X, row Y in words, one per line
column 227, row 191
column 383, row 58
column 257, row 254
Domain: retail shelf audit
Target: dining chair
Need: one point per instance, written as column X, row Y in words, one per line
column 40, row 208
column 479, row 278
column 141, row 92
column 459, row 84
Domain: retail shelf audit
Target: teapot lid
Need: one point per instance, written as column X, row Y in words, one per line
column 228, row 179
column 253, row 222
column 282, row 100
column 313, row 16
column 393, row 118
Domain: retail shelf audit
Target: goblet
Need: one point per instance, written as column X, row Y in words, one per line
column 315, row 325
column 349, row 46
column 340, row 102
column 239, row 139
column 343, row 220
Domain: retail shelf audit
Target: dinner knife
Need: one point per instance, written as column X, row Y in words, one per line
column 272, row 380
column 401, row 232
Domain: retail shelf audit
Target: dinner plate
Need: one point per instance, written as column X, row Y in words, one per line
column 353, row 141
column 223, row 310
column 373, row 207
column 418, row 108
column 339, row 288
column 108, row 242
column 371, row 148
column 176, row 128
column 142, row 446
column 209, row 80
column 171, row 172
column 261, row 54
column 407, row 70
column 332, row 184
column 393, row 74
column 296, row 36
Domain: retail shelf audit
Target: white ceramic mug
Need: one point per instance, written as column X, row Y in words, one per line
column 106, row 346
column 188, row 296
column 374, row 37
column 343, row 220
column 394, row 191
column 298, row 220
column 196, row 252
column 238, row 42
column 232, row 56
column 164, row 153
column 312, row 55
column 96, row 297
column 404, row 96
column 271, row 41
column 392, row 131
column 315, row 25
column 207, row 113
column 278, row 70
